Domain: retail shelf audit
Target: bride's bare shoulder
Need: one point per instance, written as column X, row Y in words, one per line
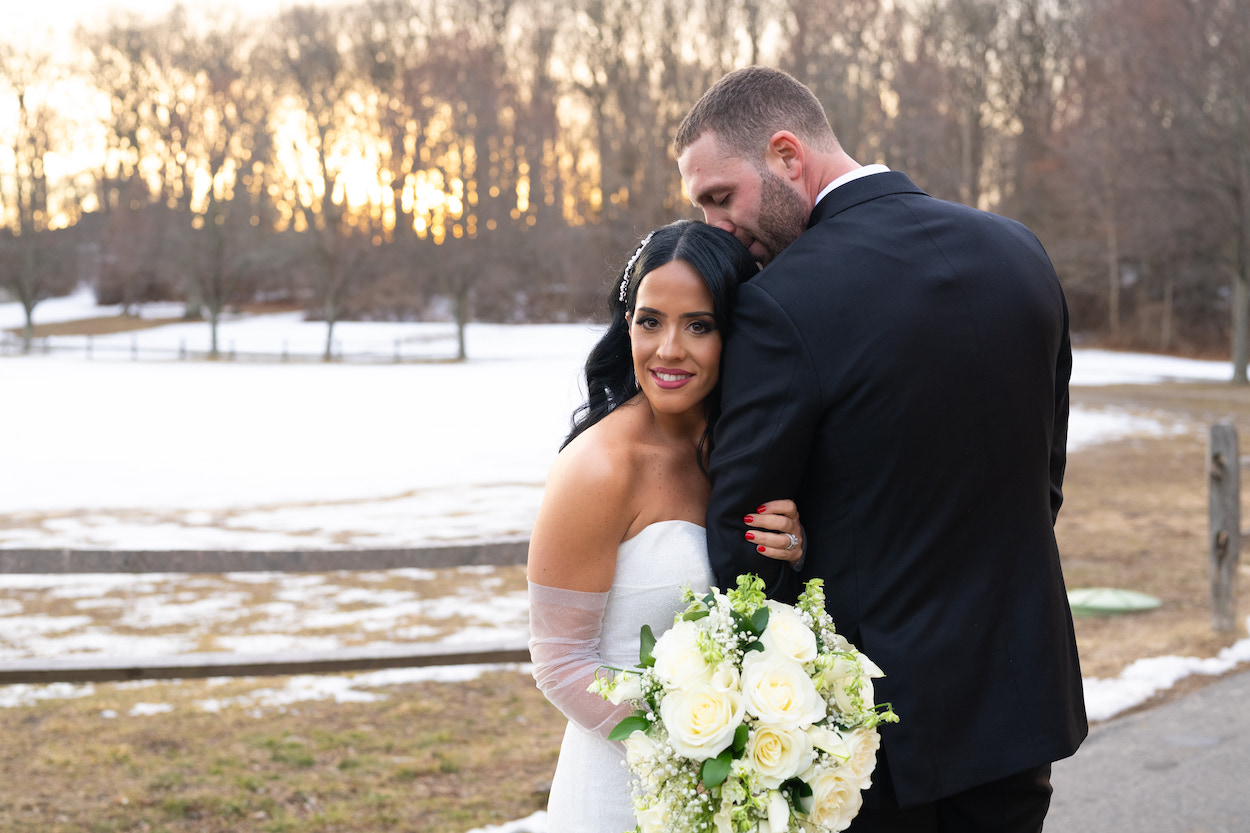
column 588, row 505
column 605, row 455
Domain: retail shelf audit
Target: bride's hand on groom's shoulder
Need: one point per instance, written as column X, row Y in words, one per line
column 775, row 531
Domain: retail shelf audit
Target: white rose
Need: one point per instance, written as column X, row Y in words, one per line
column 863, row 744
column 651, row 820
column 787, row 634
column 779, row 692
column 678, row 660
column 835, row 797
column 639, row 749
column 726, row 677
column 778, row 755
column 701, row 720
column 626, row 686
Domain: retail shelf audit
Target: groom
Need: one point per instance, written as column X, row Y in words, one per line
column 900, row 367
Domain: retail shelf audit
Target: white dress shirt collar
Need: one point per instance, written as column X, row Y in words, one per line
column 866, row 170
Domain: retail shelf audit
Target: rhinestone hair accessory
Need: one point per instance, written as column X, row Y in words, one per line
column 629, row 266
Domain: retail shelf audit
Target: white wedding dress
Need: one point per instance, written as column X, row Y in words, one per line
column 590, row 792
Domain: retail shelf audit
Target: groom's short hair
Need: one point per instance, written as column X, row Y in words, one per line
column 747, row 106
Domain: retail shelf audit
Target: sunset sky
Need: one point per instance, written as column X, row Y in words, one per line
column 42, row 19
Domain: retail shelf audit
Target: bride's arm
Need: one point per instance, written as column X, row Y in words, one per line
column 584, row 515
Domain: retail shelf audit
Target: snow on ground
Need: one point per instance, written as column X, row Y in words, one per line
column 197, row 455
column 100, row 451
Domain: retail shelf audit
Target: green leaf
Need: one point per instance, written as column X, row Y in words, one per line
column 755, row 646
column 631, row 724
column 799, row 790
column 759, row 620
column 695, row 615
column 740, row 740
column 715, row 770
column 647, row 638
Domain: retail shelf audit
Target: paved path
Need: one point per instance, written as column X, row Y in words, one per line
column 1183, row 767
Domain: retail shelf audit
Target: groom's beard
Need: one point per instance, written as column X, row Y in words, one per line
column 783, row 215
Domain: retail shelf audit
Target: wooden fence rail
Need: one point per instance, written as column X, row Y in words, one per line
column 82, row 669
column 237, row 561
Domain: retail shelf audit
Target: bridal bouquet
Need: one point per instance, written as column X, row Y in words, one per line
column 752, row 716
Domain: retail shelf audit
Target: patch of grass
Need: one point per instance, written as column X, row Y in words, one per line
column 103, row 325
column 431, row 757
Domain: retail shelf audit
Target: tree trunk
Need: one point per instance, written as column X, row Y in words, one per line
column 1241, row 329
column 213, row 314
column 328, row 355
column 28, row 330
column 462, row 317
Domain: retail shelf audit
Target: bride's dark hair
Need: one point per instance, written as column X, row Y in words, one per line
column 718, row 258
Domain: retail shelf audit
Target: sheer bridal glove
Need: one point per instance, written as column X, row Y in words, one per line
column 564, row 644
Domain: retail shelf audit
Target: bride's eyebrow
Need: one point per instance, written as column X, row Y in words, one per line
column 696, row 314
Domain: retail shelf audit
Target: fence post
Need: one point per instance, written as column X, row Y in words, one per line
column 1224, row 493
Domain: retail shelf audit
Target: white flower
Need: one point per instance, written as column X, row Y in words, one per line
column 701, row 720
column 835, row 797
column 626, row 686
column 838, row 643
column 778, row 812
column 726, row 678
column 846, row 689
column 779, row 692
column 651, row 820
column 640, row 750
column 788, row 634
column 829, row 741
column 870, row 668
column 863, row 744
column 678, row 660
column 778, row 755
column 845, row 676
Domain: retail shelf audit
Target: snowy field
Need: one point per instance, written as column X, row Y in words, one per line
column 99, row 451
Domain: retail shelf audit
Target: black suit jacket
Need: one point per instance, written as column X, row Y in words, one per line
column 901, row 370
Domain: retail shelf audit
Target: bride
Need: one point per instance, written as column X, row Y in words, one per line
column 620, row 530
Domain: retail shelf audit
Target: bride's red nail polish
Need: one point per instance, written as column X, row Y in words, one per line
column 749, row 519
column 762, row 509
column 750, row 536
column 761, row 548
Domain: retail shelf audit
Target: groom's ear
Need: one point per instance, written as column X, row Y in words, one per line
column 785, row 155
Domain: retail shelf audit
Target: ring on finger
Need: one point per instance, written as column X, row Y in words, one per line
column 794, row 541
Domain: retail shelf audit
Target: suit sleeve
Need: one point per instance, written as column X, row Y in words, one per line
column 770, row 405
column 1059, row 435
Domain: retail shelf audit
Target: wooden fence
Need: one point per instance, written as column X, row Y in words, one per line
column 197, row 665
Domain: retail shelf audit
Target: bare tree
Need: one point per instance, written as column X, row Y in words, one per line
column 315, row 72
column 26, row 210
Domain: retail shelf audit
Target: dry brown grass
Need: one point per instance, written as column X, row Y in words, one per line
column 105, row 325
column 452, row 756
